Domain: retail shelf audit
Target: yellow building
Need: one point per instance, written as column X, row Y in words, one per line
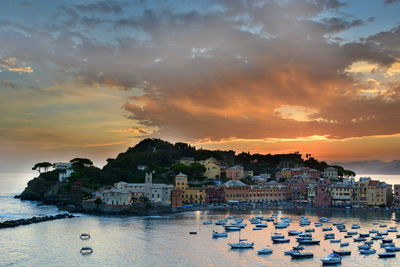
column 190, row 195
column 181, row 181
column 213, row 170
column 379, row 194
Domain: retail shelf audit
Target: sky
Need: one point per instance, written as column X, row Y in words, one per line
column 92, row 78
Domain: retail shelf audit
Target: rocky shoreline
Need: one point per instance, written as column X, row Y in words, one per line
column 15, row 223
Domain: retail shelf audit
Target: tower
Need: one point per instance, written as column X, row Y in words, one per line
column 181, row 181
column 148, row 178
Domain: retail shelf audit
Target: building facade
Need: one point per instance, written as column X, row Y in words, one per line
column 234, row 173
column 213, row 170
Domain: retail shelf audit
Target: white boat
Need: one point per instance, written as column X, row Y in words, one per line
column 216, row 234
column 317, row 224
column 277, row 236
column 86, row 250
column 207, row 222
column 265, row 251
column 281, row 225
column 323, row 219
column 355, row 226
column 367, row 251
column 332, row 258
column 84, row 236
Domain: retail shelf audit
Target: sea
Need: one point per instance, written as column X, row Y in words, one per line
column 165, row 240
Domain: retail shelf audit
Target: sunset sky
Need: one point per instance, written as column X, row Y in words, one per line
column 91, row 78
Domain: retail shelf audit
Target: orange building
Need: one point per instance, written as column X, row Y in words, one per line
column 236, row 191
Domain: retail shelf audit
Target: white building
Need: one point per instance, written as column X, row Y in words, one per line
column 117, row 197
column 65, row 169
column 156, row 193
column 330, row 172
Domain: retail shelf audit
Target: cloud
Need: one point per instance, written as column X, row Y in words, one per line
column 104, row 7
column 391, row 1
column 10, row 64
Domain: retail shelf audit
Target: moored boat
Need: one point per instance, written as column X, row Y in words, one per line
column 265, row 251
column 302, row 255
column 387, row 255
column 367, row 251
column 342, row 252
column 216, row 234
column 332, row 258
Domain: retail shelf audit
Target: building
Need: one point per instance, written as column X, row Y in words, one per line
column 236, row 191
column 298, row 188
column 234, row 173
column 290, row 161
column 396, row 196
column 213, row 170
column 307, row 174
column 277, row 192
column 379, row 193
column 322, row 195
column 65, row 170
column 215, row 195
column 342, row 193
column 330, row 173
column 311, row 192
column 176, row 198
column 190, row 195
column 257, row 194
column 116, row 197
column 156, row 193
column 360, row 192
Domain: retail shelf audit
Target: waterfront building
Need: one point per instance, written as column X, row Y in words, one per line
column 298, row 188
column 330, row 173
column 190, row 195
column 236, row 191
column 379, row 193
column 360, row 192
column 311, row 192
column 176, row 198
column 234, row 173
column 156, row 193
column 341, row 193
column 215, row 195
column 322, row 196
column 277, row 192
column 116, row 197
column 213, row 170
column 396, row 196
column 257, row 194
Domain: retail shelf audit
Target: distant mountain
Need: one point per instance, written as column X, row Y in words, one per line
column 372, row 166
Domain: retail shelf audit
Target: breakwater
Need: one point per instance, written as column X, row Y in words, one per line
column 15, row 223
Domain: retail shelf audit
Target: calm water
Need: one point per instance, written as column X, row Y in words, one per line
column 165, row 240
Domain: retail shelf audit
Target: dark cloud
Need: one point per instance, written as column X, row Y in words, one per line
column 391, row 1
column 387, row 39
column 104, row 7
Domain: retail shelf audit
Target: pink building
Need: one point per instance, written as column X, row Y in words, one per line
column 299, row 189
column 235, row 172
column 322, row 196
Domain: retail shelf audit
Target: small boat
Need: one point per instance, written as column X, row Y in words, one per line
column 325, row 229
column 387, row 241
column 387, row 255
column 269, row 219
column 386, row 245
column 363, row 235
column 242, row 244
column 289, row 252
column 277, row 236
column 261, row 225
column 298, row 248
column 309, row 242
column 377, row 237
column 86, row 250
column 335, row 241
column 397, row 236
column 369, row 242
column 367, row 251
column 302, row 255
column 84, row 236
column 207, row 222
column 216, row 234
column 344, row 244
column 257, row 228
column 232, row 228
column 382, row 225
column 355, row 226
column 323, row 219
column 311, row 230
column 392, row 249
column 317, row 224
column 348, row 236
column 265, row 251
column 359, row 239
column 294, row 232
column 352, row 233
column 364, row 246
column 373, row 231
column 332, row 259
column 280, row 240
column 281, row 225
column 392, row 230
column 192, row 233
column 342, row 252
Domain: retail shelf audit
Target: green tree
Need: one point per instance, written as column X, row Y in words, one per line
column 42, row 165
column 81, row 162
column 143, row 199
column 197, row 170
column 180, row 167
column 98, row 201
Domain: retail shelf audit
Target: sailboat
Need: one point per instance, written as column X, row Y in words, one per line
column 241, row 243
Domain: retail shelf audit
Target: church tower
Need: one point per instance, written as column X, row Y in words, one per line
column 148, row 178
